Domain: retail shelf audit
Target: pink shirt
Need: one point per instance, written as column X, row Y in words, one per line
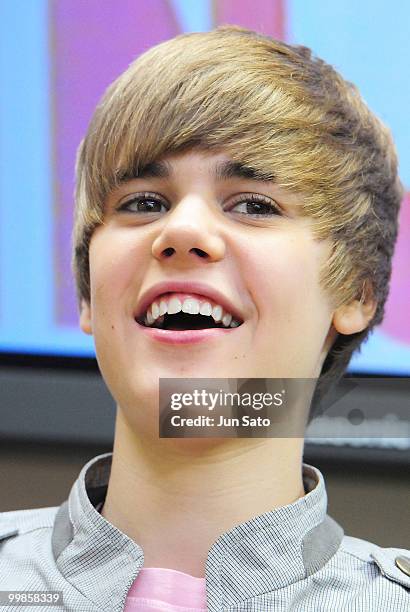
column 166, row 590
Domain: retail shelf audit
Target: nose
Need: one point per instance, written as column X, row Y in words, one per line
column 190, row 234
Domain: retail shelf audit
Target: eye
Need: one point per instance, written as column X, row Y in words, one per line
column 255, row 205
column 143, row 203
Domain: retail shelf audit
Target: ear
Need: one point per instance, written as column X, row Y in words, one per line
column 85, row 317
column 356, row 316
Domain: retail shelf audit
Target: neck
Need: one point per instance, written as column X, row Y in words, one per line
column 175, row 497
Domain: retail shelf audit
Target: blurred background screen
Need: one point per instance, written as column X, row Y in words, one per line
column 58, row 57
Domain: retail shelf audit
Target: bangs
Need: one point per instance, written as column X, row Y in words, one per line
column 209, row 99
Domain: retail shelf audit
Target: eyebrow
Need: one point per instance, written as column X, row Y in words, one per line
column 223, row 170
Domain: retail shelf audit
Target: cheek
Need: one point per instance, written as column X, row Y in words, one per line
column 282, row 276
column 113, row 270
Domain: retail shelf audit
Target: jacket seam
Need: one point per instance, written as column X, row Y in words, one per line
column 352, row 554
column 286, row 586
column 22, row 533
column 96, row 531
column 73, row 586
column 224, row 554
column 381, row 571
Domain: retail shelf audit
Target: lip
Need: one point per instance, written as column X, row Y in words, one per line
column 186, row 336
column 200, row 289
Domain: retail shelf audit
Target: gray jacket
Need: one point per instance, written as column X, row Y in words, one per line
column 294, row 558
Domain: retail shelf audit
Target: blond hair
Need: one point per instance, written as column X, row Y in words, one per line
column 271, row 106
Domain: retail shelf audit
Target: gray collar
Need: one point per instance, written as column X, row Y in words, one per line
column 264, row 554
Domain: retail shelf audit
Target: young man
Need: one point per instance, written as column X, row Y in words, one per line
column 227, row 175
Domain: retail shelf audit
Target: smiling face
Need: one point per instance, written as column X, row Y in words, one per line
column 238, row 243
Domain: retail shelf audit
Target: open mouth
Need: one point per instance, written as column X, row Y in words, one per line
column 185, row 321
column 176, row 312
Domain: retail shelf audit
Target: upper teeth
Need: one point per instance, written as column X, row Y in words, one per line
column 172, row 305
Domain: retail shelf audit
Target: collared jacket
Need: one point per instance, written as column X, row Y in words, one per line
column 292, row 559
